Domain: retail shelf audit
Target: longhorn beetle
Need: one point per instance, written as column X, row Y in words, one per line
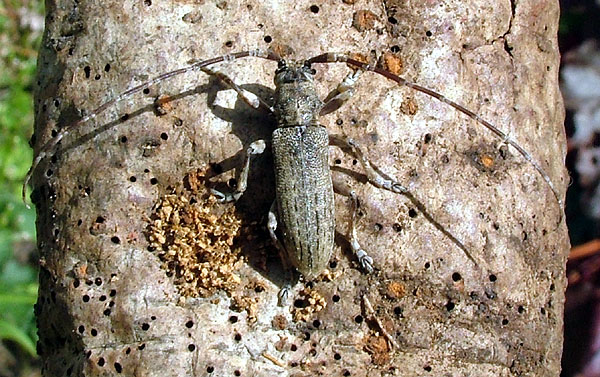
column 304, row 206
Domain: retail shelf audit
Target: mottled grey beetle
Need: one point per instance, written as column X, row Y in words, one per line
column 303, row 210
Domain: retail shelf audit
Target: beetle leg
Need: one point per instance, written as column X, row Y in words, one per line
column 250, row 98
column 366, row 262
column 374, row 176
column 342, row 93
column 284, row 293
column 255, row 148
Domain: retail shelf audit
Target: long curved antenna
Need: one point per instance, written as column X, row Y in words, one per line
column 51, row 144
column 334, row 58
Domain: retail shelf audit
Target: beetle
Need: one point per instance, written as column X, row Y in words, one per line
column 303, row 210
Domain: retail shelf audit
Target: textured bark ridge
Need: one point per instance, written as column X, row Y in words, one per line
column 123, row 292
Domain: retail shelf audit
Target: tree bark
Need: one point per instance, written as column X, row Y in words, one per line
column 110, row 303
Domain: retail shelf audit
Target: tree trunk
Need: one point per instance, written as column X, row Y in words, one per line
column 122, row 292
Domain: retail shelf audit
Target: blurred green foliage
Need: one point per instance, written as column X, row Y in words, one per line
column 21, row 24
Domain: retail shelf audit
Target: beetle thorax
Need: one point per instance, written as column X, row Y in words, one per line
column 296, row 99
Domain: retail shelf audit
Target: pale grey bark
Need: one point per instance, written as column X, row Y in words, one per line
column 446, row 315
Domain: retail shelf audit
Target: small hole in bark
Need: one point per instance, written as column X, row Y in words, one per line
column 128, row 351
column 101, row 362
column 398, row 310
column 189, row 324
column 97, row 77
column 504, row 322
column 81, row 329
column 49, row 173
column 307, row 336
column 107, row 67
column 233, row 319
column 94, row 332
column 427, row 265
column 338, row 161
column 339, row 122
column 428, row 33
column 132, row 179
column 237, row 373
column 106, row 312
column 337, row 356
column 87, row 70
column 118, row 368
column 347, row 373
column 392, row 20
column 456, row 276
column 427, row 138
column 427, row 368
column 450, row 306
column 123, row 139
column 191, row 348
column 237, row 337
column 293, row 348
column 332, row 264
column 115, row 240
column 229, row 44
column 335, row 298
column 153, row 181
column 412, row 213
column 98, row 281
column 358, row 319
column 76, row 283
column 314, row 9
column 145, row 326
column 210, row 369
column 124, row 117
column 378, row 227
column 148, row 2
column 268, row 39
column 86, row 298
column 113, row 292
column 521, row 309
column 146, row 91
column 316, row 323
column 543, row 311
column 164, row 136
column 492, row 278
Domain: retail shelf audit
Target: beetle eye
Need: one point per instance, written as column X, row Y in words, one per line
column 306, row 64
column 281, row 64
column 313, row 71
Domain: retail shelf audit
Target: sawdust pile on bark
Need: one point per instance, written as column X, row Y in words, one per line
column 309, row 303
column 193, row 236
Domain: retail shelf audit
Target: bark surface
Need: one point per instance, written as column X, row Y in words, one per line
column 109, row 305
